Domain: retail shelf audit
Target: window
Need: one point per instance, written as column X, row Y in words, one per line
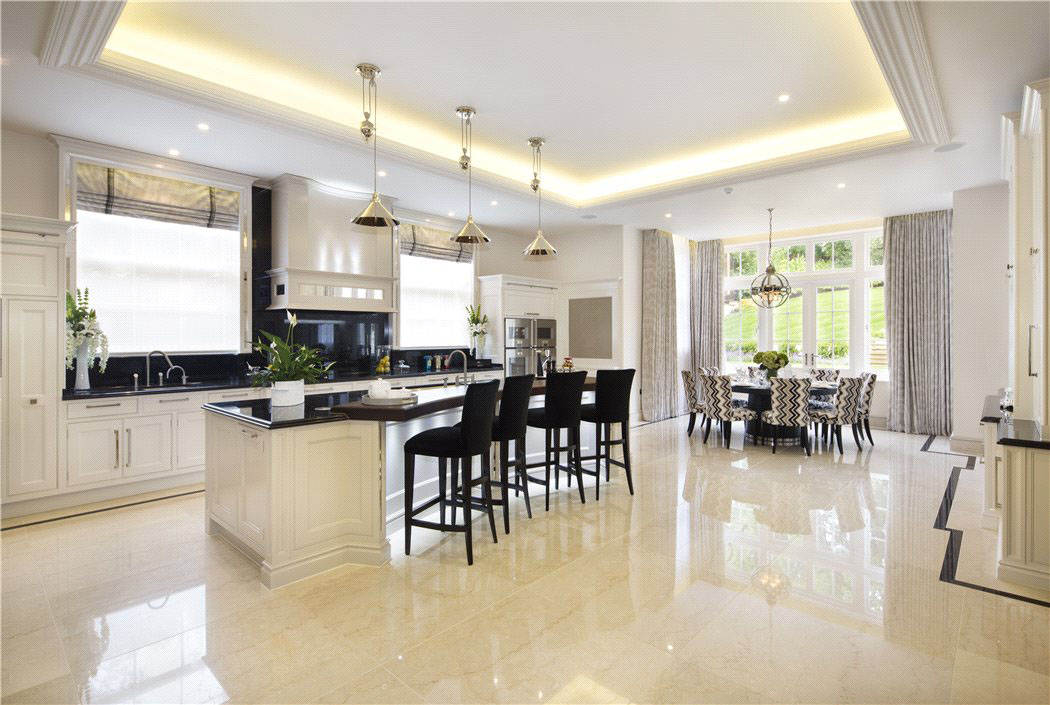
column 878, row 359
column 833, row 326
column 876, row 251
column 739, row 327
column 157, row 285
column 434, row 297
column 789, row 258
column 787, row 327
column 833, row 254
column 743, row 263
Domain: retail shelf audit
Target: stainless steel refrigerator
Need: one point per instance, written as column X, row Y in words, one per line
column 526, row 342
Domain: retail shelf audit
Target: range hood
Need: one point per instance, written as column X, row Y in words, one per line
column 321, row 260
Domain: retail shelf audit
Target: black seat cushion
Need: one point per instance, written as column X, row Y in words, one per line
column 538, row 419
column 498, row 433
column 443, row 442
column 588, row 412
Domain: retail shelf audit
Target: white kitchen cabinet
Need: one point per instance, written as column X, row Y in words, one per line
column 93, row 451
column 29, row 269
column 147, row 445
column 531, row 301
column 189, row 439
column 224, row 451
column 503, row 297
column 31, row 390
column 253, row 511
column 1024, row 555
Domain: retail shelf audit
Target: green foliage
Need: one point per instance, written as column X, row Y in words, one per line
column 287, row 361
column 78, row 310
column 770, row 359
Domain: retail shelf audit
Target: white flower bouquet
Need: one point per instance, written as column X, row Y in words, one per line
column 83, row 329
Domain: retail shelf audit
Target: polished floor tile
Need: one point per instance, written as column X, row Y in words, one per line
column 732, row 575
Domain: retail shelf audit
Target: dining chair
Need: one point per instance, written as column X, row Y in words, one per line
column 846, row 410
column 823, row 374
column 694, row 401
column 865, row 403
column 718, row 395
column 789, row 407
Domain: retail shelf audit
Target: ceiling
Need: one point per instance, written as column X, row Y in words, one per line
column 982, row 54
column 628, row 95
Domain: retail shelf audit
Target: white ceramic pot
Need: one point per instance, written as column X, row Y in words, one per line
column 83, row 364
column 288, row 393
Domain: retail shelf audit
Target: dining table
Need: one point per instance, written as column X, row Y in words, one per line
column 758, row 399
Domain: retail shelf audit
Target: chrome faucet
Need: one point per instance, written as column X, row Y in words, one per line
column 167, row 359
column 465, row 378
column 180, row 369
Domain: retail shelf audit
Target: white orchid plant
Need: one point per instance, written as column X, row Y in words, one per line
column 82, row 328
column 477, row 323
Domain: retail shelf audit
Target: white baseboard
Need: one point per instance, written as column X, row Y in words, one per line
column 128, row 491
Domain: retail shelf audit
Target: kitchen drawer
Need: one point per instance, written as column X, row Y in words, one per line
column 235, row 394
column 330, row 388
column 101, row 407
column 165, row 403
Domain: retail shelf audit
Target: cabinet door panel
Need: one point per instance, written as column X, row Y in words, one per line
column 189, row 439
column 529, row 301
column 147, row 445
column 224, row 470
column 94, row 451
column 32, row 396
column 29, row 270
column 253, row 514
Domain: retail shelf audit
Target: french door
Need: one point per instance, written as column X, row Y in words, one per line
column 814, row 325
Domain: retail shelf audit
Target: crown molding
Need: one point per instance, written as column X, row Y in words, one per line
column 898, row 40
column 34, row 225
column 1033, row 106
column 78, row 32
column 309, row 183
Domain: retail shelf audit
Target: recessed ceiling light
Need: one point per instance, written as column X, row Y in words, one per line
column 841, row 186
column 173, row 152
column 493, row 203
column 667, row 215
column 784, row 97
column 203, row 126
column 382, row 173
column 451, row 214
column 950, row 147
column 589, row 216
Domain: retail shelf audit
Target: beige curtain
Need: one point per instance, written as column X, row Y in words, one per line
column 420, row 241
column 706, row 269
column 918, row 321
column 659, row 344
column 134, row 195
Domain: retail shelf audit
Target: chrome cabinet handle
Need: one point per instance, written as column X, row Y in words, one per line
column 127, row 460
column 100, row 406
column 169, row 401
column 116, row 449
column 1031, row 327
column 995, row 494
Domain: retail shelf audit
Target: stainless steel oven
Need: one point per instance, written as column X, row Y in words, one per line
column 526, row 341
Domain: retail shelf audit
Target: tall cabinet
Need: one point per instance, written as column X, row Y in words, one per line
column 32, row 323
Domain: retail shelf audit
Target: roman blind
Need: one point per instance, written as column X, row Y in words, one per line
column 114, row 191
column 419, row 241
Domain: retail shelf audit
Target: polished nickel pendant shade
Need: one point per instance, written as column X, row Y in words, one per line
column 470, row 233
column 770, row 289
column 539, row 247
column 375, row 214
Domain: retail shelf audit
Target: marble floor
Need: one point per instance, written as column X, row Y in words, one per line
column 730, row 576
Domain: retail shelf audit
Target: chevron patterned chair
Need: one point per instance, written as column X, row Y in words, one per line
column 718, row 405
column 694, row 401
column 789, row 406
column 846, row 411
column 865, row 403
column 822, row 375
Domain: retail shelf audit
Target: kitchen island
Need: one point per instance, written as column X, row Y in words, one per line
column 304, row 489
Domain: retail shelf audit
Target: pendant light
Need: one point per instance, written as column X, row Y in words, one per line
column 539, row 247
column 770, row 289
column 470, row 233
column 375, row 214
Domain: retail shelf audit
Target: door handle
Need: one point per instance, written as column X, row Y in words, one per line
column 1031, row 327
column 116, row 449
column 168, row 401
column 100, row 406
column 127, row 460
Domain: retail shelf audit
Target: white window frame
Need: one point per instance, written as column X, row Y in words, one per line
column 857, row 277
column 73, row 151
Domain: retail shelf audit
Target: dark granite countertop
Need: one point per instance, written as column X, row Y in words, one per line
column 1024, row 433
column 240, row 382
column 346, row 406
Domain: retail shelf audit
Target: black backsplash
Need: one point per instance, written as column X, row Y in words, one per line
column 199, row 368
column 353, row 341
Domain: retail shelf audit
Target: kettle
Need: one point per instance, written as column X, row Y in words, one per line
column 379, row 389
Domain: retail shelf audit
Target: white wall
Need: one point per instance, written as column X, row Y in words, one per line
column 28, row 174
column 980, row 303
column 595, row 253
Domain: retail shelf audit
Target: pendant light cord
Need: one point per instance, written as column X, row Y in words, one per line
column 465, row 131
column 537, row 167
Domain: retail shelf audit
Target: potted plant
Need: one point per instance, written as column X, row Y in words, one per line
column 478, row 327
column 85, row 340
column 289, row 366
column 770, row 361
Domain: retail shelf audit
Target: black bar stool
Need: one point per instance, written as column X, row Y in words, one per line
column 561, row 410
column 612, row 404
column 472, row 436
